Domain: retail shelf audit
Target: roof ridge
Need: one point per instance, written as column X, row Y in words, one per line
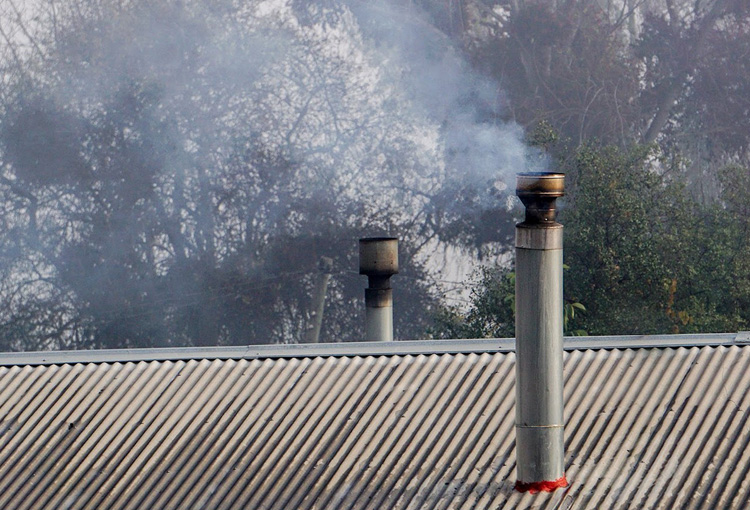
column 354, row 349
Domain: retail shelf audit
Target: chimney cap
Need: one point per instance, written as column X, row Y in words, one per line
column 538, row 191
column 378, row 256
column 550, row 184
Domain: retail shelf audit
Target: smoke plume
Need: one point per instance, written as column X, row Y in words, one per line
column 168, row 166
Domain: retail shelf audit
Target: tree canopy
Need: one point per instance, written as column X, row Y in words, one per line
column 172, row 172
column 644, row 106
column 642, row 256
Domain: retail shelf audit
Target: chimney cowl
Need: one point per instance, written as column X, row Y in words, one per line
column 378, row 256
column 539, row 191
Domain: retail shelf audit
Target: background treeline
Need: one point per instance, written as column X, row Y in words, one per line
column 171, row 173
column 645, row 106
column 642, row 255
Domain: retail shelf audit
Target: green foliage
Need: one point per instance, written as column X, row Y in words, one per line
column 642, row 257
column 492, row 310
column 647, row 258
column 569, row 315
column 543, row 135
column 614, row 226
column 491, row 313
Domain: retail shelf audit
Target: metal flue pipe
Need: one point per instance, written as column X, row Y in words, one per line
column 325, row 268
column 378, row 259
column 539, row 335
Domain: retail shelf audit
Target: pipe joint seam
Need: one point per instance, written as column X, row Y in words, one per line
column 378, row 298
column 539, row 238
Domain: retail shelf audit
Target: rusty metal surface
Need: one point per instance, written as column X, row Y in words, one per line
column 378, row 256
column 645, row 428
column 551, row 183
column 538, row 192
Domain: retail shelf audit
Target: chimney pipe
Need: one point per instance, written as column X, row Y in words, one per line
column 539, row 335
column 325, row 268
column 378, row 259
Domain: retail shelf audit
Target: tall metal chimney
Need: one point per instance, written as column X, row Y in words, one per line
column 378, row 259
column 539, row 335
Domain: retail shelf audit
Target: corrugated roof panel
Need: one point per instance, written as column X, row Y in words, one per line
column 645, row 428
column 399, row 348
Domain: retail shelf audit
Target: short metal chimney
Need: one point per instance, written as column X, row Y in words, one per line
column 539, row 335
column 378, row 259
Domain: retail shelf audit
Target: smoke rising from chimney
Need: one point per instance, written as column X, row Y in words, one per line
column 202, row 130
column 476, row 146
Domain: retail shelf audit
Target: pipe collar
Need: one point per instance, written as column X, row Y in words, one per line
column 537, row 237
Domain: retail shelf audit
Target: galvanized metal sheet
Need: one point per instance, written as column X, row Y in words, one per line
column 401, row 347
column 645, row 428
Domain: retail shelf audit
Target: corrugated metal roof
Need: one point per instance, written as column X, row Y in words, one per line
column 645, row 428
column 401, row 347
